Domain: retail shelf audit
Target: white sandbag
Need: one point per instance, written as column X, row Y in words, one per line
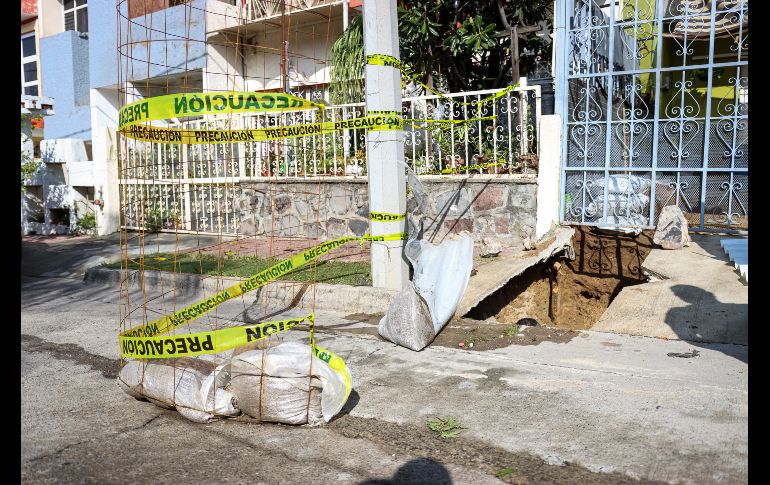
column 219, row 399
column 627, row 184
column 441, row 275
column 423, row 307
column 408, row 322
column 194, row 387
column 286, row 384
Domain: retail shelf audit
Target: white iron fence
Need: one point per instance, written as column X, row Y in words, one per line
column 194, row 187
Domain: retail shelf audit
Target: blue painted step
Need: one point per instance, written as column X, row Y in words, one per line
column 737, row 250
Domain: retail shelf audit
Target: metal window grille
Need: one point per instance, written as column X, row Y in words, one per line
column 654, row 100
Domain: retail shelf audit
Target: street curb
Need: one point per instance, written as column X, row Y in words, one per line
column 340, row 298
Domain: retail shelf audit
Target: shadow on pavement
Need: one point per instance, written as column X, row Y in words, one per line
column 684, row 321
column 66, row 256
column 418, row 471
column 350, row 404
column 711, row 244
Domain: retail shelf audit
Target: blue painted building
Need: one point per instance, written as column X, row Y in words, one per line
column 65, row 77
column 74, row 62
column 78, row 67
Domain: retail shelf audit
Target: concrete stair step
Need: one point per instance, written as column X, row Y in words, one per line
column 737, row 249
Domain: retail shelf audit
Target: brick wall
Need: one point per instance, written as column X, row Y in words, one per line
column 29, row 7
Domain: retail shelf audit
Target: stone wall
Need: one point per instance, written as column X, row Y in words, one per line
column 503, row 207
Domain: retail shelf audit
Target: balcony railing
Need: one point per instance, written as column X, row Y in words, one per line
column 261, row 9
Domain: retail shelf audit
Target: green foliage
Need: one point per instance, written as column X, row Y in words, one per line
column 504, row 472
column 512, row 330
column 448, row 427
column 87, row 222
column 28, row 170
column 347, row 64
column 474, row 35
column 455, row 49
column 155, row 219
column 29, row 166
column 455, row 44
column 60, row 216
column 36, row 216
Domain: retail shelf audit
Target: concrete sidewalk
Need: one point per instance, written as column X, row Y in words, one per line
column 699, row 297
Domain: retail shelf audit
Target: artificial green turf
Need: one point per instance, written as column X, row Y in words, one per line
column 336, row 272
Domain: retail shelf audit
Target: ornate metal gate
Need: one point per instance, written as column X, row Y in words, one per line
column 654, row 100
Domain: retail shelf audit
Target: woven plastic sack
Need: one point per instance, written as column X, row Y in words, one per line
column 408, row 322
column 286, row 384
column 195, row 387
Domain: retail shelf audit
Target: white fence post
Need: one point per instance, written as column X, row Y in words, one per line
column 548, row 174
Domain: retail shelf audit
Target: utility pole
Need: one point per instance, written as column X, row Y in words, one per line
column 385, row 148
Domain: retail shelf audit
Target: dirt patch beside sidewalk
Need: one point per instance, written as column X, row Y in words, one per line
column 551, row 301
column 516, row 468
column 473, row 334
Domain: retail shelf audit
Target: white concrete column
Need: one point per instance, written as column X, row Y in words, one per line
column 385, row 149
column 106, row 186
column 548, row 174
column 104, row 122
column 223, row 64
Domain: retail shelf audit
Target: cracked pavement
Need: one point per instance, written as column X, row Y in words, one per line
column 602, row 408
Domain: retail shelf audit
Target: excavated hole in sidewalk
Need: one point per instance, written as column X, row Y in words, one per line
column 582, row 289
column 562, row 296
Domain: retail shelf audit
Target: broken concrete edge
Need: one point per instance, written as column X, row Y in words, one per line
column 294, row 294
column 561, row 244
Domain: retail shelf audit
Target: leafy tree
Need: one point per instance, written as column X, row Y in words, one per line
column 455, row 45
column 462, row 45
column 347, row 66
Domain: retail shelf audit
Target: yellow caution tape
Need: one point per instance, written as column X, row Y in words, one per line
column 386, row 126
column 195, row 104
column 390, row 237
column 332, row 360
column 410, row 76
column 461, row 169
column 176, row 136
column 196, row 310
column 337, row 364
column 171, row 346
column 383, row 60
column 385, row 217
